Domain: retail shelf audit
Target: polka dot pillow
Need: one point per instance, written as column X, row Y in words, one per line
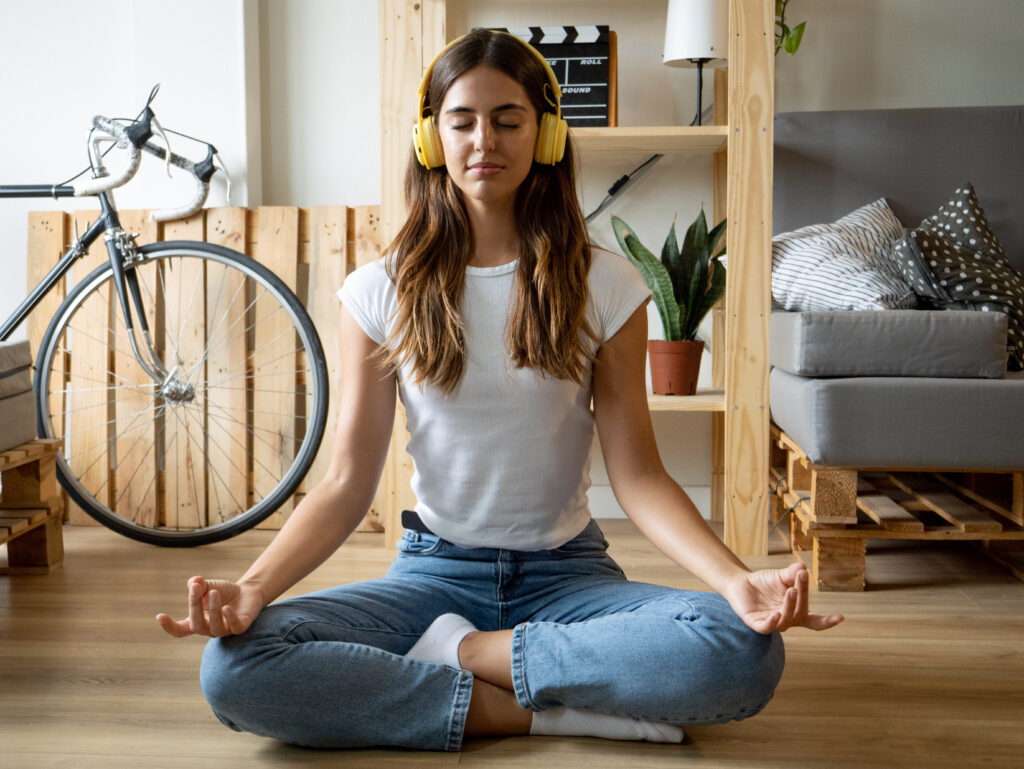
column 954, row 261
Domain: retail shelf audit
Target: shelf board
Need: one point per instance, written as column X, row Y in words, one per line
column 650, row 139
column 704, row 400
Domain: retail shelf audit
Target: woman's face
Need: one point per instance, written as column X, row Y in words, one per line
column 488, row 128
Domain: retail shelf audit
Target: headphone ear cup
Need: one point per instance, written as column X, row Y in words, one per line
column 427, row 143
column 551, row 138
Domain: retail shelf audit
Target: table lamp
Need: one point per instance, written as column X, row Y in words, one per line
column 697, row 33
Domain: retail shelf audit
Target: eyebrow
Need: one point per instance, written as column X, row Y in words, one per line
column 502, row 108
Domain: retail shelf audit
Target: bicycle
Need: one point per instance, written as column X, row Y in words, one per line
column 158, row 433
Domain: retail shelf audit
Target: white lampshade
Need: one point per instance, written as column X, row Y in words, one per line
column 697, row 29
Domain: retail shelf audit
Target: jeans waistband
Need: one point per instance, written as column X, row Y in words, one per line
column 411, row 520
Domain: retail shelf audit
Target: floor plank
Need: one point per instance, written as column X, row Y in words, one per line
column 925, row 672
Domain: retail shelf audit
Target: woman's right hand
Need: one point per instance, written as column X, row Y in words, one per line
column 216, row 608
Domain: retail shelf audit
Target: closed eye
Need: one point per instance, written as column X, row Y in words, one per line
column 464, row 126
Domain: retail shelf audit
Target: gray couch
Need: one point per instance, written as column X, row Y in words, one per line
column 906, row 389
column 891, row 391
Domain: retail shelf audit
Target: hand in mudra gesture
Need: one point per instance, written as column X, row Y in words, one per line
column 216, row 608
column 776, row 599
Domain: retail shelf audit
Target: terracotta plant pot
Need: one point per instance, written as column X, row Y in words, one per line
column 674, row 366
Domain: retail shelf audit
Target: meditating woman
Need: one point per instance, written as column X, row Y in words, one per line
column 508, row 338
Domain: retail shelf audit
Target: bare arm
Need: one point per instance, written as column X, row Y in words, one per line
column 766, row 600
column 330, row 511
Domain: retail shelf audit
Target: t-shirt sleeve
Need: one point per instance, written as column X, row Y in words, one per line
column 369, row 295
column 617, row 290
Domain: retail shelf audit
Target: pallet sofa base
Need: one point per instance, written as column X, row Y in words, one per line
column 833, row 511
column 31, row 508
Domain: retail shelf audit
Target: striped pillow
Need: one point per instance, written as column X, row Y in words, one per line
column 841, row 266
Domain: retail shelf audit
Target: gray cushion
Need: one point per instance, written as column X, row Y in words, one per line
column 17, row 419
column 913, row 343
column 15, row 368
column 903, row 422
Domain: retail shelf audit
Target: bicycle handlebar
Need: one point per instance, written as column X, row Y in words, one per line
column 104, row 182
column 133, row 138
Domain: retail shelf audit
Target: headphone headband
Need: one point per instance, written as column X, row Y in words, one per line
column 553, row 129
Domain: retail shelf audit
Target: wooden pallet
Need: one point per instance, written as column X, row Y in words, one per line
column 31, row 508
column 311, row 250
column 832, row 512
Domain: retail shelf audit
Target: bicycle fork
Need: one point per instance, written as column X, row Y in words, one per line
column 123, row 254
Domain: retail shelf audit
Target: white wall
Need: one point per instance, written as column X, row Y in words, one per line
column 874, row 54
column 63, row 61
column 320, row 102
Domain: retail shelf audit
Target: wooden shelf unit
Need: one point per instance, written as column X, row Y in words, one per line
column 412, row 31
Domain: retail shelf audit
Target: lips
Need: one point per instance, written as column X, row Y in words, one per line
column 485, row 169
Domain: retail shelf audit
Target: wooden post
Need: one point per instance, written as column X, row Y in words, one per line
column 839, row 563
column 277, row 247
column 228, row 434
column 751, row 77
column 412, row 32
column 184, row 342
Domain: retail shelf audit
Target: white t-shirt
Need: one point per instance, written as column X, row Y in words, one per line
column 504, row 460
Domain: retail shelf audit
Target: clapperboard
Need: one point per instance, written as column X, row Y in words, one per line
column 583, row 60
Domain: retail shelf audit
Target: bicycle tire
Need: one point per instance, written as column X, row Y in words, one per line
column 229, row 404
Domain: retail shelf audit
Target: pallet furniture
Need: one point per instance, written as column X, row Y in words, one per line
column 897, row 424
column 311, row 250
column 31, row 508
column 412, row 31
column 828, row 513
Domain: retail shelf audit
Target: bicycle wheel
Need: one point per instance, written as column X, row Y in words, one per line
column 226, row 439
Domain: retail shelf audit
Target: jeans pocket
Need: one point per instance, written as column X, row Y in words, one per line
column 418, row 543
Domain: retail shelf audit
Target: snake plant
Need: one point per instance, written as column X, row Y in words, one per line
column 686, row 282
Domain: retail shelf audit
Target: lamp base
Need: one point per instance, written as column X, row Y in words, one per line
column 700, row 85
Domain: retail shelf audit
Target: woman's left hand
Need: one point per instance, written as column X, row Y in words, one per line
column 775, row 599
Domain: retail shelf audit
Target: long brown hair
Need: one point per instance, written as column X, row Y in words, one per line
column 428, row 258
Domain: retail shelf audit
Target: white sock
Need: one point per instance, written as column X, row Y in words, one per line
column 440, row 642
column 577, row 722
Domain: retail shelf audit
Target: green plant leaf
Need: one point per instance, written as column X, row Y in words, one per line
column 670, row 257
column 715, row 288
column 713, row 238
column 792, row 39
column 694, row 243
column 696, row 256
column 655, row 276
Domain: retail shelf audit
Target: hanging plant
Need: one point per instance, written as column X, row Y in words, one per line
column 786, row 38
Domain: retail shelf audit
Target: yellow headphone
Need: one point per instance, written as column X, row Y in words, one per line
column 551, row 134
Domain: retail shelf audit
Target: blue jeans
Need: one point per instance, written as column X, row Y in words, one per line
column 327, row 669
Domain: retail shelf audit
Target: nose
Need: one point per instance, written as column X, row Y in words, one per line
column 483, row 136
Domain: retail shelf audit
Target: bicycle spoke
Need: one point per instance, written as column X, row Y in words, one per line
column 190, row 463
column 104, row 442
column 231, row 374
column 227, row 486
column 212, row 335
column 250, row 428
column 251, row 432
column 255, row 352
column 76, row 374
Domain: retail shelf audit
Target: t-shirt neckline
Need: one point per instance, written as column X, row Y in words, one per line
column 501, row 269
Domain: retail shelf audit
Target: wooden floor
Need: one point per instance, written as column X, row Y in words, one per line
column 927, row 670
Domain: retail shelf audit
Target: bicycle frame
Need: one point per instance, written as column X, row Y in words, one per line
column 121, row 251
